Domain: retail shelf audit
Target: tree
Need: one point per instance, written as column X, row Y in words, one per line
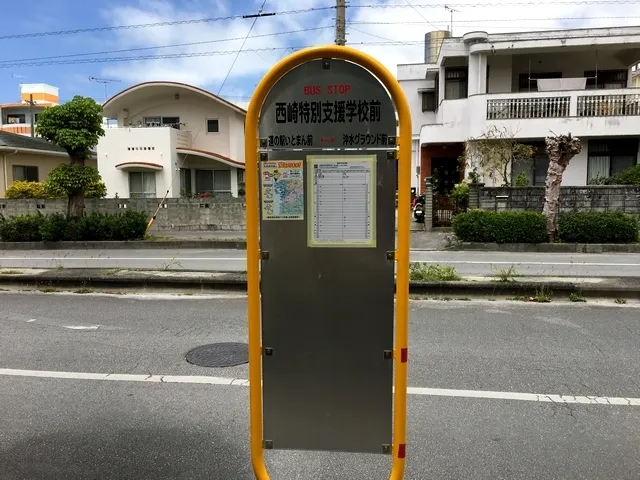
column 494, row 153
column 75, row 126
column 561, row 149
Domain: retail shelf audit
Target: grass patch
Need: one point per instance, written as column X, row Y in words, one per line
column 463, row 299
column 83, row 290
column 158, row 238
column 621, row 301
column 113, row 271
column 432, row 272
column 48, row 290
column 10, row 272
column 543, row 295
column 576, row 297
column 508, row 274
column 60, row 267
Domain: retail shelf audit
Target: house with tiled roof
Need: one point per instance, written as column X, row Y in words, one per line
column 28, row 158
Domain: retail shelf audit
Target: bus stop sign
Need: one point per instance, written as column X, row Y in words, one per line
column 327, row 186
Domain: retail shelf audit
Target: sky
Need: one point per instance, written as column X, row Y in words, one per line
column 371, row 25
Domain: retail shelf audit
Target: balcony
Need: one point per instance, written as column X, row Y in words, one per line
column 531, row 115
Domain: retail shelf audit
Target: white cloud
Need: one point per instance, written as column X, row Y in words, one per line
column 402, row 23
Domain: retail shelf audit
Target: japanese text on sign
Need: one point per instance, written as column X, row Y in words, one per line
column 290, row 140
column 339, row 111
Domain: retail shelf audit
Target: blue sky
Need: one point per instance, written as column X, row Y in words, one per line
column 369, row 25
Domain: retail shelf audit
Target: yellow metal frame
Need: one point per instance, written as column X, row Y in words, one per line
column 402, row 251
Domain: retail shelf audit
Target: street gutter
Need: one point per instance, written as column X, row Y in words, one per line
column 623, row 287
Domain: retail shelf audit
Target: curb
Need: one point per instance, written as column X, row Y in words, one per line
column 126, row 245
column 550, row 247
column 626, row 287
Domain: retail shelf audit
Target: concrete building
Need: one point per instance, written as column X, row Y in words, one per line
column 16, row 117
column 532, row 85
column 172, row 136
column 30, row 159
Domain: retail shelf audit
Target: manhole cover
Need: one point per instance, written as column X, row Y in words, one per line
column 219, row 355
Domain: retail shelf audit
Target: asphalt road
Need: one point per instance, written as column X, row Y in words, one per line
column 466, row 263
column 78, row 428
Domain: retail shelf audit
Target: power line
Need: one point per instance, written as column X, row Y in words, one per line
column 81, row 61
column 157, row 24
column 497, row 4
column 550, row 19
column 255, row 19
column 420, row 13
column 155, row 47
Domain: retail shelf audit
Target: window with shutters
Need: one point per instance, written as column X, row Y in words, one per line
column 456, row 81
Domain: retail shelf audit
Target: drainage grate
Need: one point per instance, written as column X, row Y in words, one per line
column 219, row 355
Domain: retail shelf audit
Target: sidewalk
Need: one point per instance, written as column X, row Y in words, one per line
column 200, row 282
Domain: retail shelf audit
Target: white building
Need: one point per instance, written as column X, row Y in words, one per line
column 171, row 136
column 17, row 117
column 532, row 84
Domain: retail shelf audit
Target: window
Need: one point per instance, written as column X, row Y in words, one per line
column 534, row 169
column 606, row 79
column 528, row 81
column 185, row 182
column 204, row 181
column 16, row 118
column 142, row 184
column 240, row 176
column 162, row 122
column 213, row 125
column 222, row 180
column 22, row 173
column 455, row 83
column 609, row 157
column 429, row 101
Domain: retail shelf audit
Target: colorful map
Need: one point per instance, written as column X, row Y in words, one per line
column 282, row 190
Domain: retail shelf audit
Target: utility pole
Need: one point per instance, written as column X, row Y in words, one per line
column 341, row 28
column 31, row 119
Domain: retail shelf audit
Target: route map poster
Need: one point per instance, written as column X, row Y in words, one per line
column 282, row 189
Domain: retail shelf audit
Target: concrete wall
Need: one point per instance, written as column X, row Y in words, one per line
column 226, row 214
column 593, row 198
column 150, row 145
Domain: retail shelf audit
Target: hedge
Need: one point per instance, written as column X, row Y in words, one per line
column 597, row 227
column 57, row 227
column 500, row 227
column 531, row 227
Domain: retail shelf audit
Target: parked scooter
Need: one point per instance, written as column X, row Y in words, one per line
column 418, row 208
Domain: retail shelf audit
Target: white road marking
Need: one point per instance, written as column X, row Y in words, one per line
column 438, row 392
column 199, row 259
column 31, row 321
column 482, row 262
column 81, row 327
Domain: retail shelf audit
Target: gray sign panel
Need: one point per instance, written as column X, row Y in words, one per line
column 327, row 234
column 328, row 104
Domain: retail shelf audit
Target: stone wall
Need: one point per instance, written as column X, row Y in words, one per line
column 596, row 198
column 177, row 214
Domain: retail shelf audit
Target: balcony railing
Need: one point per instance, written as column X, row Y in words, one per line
column 532, row 107
column 608, row 105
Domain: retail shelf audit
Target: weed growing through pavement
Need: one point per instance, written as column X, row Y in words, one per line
column 171, row 264
column 60, row 267
column 10, row 272
column 113, row 271
column 48, row 290
column 83, row 290
column 543, row 295
column 576, row 297
column 432, row 272
column 621, row 301
column 508, row 274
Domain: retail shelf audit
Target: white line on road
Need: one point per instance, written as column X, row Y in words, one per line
column 438, row 392
column 578, row 264
column 199, row 259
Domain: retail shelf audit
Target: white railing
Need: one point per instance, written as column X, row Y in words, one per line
column 528, row 107
column 608, row 105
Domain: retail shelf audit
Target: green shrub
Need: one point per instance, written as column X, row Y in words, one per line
column 597, row 227
column 631, row 176
column 57, row 227
column 500, row 227
column 24, row 189
column 432, row 273
column 23, row 228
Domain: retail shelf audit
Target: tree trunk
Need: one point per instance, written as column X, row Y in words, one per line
column 75, row 206
column 551, row 198
column 560, row 149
